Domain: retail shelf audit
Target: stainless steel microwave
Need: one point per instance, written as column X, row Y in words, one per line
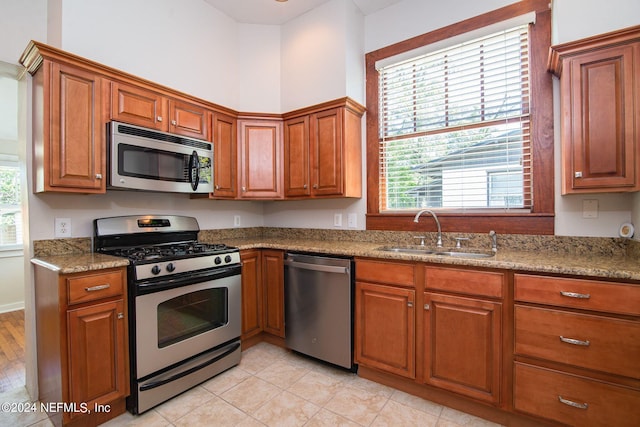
column 147, row 159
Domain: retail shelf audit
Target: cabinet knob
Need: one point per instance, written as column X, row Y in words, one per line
column 244, row 189
column 304, row 186
column 120, row 315
column 410, row 304
column 217, row 187
column 427, row 307
column 315, row 186
column 98, row 176
column 173, row 122
column 159, row 118
column 578, row 174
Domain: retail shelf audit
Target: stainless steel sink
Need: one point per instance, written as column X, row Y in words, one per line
column 422, row 250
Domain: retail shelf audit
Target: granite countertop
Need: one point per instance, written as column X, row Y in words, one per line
column 595, row 265
column 78, row 263
column 598, row 266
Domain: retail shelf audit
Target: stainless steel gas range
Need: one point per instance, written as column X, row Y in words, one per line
column 184, row 302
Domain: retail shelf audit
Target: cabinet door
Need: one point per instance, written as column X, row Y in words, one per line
column 188, row 119
column 273, row 279
column 251, row 293
column 296, row 157
column 462, row 345
column 327, row 153
column 224, row 156
column 384, row 328
column 600, row 133
column 74, row 155
column 260, row 159
column 98, row 371
column 138, row 106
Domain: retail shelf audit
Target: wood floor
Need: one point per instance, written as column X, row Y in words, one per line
column 11, row 350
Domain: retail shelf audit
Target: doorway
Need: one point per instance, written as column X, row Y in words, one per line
column 12, row 206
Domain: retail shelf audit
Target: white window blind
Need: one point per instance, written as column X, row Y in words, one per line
column 454, row 127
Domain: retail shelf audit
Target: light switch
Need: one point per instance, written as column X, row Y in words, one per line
column 337, row 220
column 590, row 209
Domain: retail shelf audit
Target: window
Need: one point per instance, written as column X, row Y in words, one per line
column 10, row 206
column 461, row 126
column 10, row 175
column 449, row 117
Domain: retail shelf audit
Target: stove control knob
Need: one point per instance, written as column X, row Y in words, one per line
column 227, row 259
column 217, row 260
column 155, row 269
column 171, row 267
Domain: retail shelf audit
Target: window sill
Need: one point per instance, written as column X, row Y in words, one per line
column 11, row 251
column 505, row 223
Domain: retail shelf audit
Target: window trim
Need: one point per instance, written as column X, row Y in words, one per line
column 540, row 218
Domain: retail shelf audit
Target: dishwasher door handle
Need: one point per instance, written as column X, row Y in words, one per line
column 317, row 267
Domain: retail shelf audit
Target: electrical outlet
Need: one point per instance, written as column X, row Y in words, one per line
column 236, row 220
column 337, row 220
column 352, row 220
column 62, row 228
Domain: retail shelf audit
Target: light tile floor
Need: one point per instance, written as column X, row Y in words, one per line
column 274, row 387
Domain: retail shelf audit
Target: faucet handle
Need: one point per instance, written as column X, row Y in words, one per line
column 421, row 239
column 459, row 240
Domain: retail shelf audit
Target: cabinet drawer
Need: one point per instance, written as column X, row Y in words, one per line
column 573, row 400
column 577, row 293
column 482, row 283
column 89, row 287
column 394, row 273
column 594, row 342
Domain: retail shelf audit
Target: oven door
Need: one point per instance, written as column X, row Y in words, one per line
column 177, row 323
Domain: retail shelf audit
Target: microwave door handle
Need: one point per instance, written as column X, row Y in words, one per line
column 194, row 166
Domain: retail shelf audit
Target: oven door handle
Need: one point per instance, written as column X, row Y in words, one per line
column 179, row 375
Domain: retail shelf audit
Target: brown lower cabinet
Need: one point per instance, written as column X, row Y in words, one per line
column 518, row 349
column 262, row 292
column 462, row 345
column 83, row 354
column 576, row 350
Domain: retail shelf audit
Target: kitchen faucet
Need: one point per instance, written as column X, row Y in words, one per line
column 433, row 214
column 494, row 241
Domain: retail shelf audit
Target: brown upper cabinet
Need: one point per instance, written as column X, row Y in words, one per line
column 224, row 133
column 140, row 106
column 260, row 159
column 307, row 153
column 69, row 140
column 322, row 150
column 600, row 103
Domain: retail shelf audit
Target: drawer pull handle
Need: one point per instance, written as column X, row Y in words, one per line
column 574, row 341
column 97, row 288
column 572, row 403
column 575, row 295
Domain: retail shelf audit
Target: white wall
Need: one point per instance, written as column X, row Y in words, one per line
column 186, row 45
column 259, row 68
column 321, row 51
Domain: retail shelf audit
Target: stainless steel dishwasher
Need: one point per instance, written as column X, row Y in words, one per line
column 318, row 307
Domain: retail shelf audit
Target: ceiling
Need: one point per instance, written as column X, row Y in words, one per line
column 271, row 12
